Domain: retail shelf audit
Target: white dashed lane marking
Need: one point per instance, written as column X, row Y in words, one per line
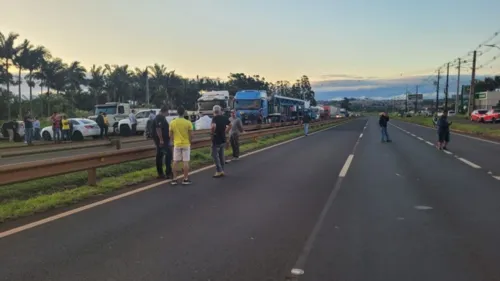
column 475, row 166
column 463, row 160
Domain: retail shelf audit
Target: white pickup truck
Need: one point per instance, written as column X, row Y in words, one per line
column 142, row 117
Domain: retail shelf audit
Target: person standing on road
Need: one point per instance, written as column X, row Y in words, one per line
column 102, row 125
column 384, row 119
column 181, row 134
column 56, row 127
column 236, row 130
column 443, row 131
column 161, row 139
column 149, row 124
column 11, row 128
column 28, row 129
column 133, row 122
column 36, row 127
column 65, row 128
column 306, row 120
column 219, row 128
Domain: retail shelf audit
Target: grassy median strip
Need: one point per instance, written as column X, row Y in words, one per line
column 474, row 129
column 24, row 199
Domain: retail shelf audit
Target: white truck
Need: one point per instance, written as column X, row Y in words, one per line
column 115, row 111
column 208, row 100
column 142, row 117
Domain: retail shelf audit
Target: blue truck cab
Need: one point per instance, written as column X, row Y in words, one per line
column 251, row 102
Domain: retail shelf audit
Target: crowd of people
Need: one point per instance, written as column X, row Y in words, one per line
column 173, row 142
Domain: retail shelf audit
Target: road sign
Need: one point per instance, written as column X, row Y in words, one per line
column 415, row 97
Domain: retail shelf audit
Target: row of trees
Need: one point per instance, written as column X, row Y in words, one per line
column 68, row 87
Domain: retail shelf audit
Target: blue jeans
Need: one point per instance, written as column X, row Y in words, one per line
column 306, row 129
column 56, row 134
column 28, row 135
column 385, row 135
column 218, row 156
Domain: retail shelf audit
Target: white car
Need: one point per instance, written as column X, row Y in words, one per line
column 124, row 127
column 82, row 128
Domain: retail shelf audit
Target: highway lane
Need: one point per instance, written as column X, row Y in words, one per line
column 380, row 226
column 247, row 226
column 482, row 153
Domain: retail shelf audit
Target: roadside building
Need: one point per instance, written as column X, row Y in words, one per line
column 486, row 100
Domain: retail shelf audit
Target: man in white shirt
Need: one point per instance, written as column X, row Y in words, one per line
column 133, row 122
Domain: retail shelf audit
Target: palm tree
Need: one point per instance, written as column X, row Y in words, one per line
column 75, row 77
column 8, row 52
column 163, row 80
column 96, row 82
column 53, row 74
column 21, row 61
column 118, row 82
column 37, row 57
column 141, row 79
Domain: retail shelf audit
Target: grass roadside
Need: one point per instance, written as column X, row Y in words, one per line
column 24, row 199
column 470, row 129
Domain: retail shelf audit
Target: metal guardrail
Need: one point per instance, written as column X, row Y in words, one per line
column 50, row 147
column 23, row 172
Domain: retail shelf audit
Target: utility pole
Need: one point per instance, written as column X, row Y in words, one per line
column 446, row 87
column 458, row 86
column 472, row 82
column 437, row 90
column 147, row 89
column 416, row 99
column 406, row 103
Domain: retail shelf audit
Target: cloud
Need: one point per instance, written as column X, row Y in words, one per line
column 382, row 88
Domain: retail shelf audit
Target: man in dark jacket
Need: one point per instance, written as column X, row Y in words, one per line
column 443, row 131
column 102, row 125
column 384, row 119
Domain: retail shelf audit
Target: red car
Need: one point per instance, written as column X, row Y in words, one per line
column 479, row 115
column 493, row 115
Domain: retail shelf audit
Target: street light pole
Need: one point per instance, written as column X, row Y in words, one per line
column 446, row 88
column 458, row 86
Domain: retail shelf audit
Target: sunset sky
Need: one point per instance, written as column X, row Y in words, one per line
column 278, row 39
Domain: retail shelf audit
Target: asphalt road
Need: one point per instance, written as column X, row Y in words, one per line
column 403, row 211
column 483, row 153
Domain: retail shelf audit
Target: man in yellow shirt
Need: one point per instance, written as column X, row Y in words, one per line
column 65, row 128
column 181, row 135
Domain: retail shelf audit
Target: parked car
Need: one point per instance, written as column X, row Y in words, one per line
column 493, row 116
column 18, row 135
column 479, row 115
column 82, row 128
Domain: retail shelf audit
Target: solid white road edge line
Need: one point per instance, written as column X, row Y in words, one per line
column 126, row 194
column 469, row 163
column 345, row 168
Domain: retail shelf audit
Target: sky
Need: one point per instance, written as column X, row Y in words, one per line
column 346, row 47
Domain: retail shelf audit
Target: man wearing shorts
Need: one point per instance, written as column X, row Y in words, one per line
column 181, row 134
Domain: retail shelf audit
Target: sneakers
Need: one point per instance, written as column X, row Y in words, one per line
column 184, row 182
column 218, row 175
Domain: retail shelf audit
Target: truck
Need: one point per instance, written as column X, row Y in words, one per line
column 115, row 111
column 249, row 104
column 208, row 100
column 142, row 117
